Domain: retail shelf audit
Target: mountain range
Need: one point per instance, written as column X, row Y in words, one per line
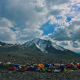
column 38, row 48
column 47, row 46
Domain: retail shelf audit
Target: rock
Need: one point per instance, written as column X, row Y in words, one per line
column 35, row 75
column 48, row 77
column 10, row 72
column 40, row 77
column 9, row 77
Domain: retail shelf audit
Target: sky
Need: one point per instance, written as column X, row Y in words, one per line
column 55, row 20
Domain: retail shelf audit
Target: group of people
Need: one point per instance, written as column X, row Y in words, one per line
column 41, row 67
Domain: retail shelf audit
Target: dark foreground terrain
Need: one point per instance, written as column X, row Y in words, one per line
column 34, row 75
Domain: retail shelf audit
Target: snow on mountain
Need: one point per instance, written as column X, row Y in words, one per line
column 44, row 45
column 38, row 43
column 35, row 40
column 58, row 47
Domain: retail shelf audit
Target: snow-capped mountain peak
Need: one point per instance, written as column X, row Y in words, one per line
column 44, row 45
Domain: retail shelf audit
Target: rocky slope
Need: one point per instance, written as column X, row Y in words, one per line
column 32, row 75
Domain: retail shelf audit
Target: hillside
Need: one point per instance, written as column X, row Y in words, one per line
column 21, row 50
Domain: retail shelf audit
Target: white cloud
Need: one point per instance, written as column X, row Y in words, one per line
column 6, row 34
column 67, row 32
column 64, row 43
column 27, row 20
column 30, row 15
column 5, row 23
column 28, row 34
column 50, row 3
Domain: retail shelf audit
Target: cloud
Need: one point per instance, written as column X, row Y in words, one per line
column 76, row 44
column 70, row 32
column 29, row 16
column 21, row 20
column 26, row 18
column 50, row 3
column 67, row 33
column 54, row 12
column 5, row 23
column 28, row 34
column 6, row 34
column 64, row 43
column 39, row 8
column 60, row 34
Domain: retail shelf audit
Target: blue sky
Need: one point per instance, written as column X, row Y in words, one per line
column 68, row 19
column 58, row 21
column 47, row 28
